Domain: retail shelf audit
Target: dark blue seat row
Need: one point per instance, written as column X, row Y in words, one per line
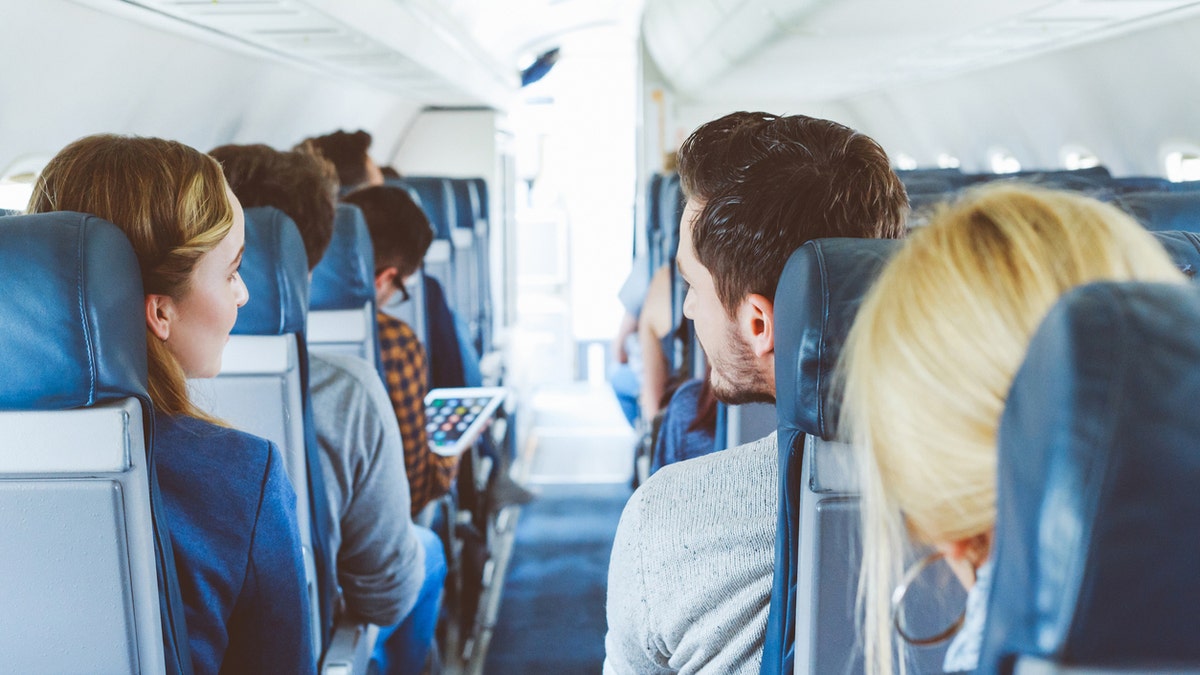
column 457, row 209
column 811, row 621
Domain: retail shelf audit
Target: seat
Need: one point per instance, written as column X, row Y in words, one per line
column 1126, row 184
column 468, row 253
column 1094, row 555
column 811, row 626
column 85, row 541
column 1164, row 210
column 483, row 242
column 263, row 387
column 341, row 317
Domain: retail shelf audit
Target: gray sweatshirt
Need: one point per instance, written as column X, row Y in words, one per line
column 380, row 561
column 689, row 584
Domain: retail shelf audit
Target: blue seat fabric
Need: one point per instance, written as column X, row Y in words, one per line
column 1164, row 210
column 817, row 298
column 345, row 277
column 275, row 271
column 1095, row 555
column 75, row 335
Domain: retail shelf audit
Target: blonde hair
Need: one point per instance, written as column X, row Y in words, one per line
column 169, row 199
column 932, row 353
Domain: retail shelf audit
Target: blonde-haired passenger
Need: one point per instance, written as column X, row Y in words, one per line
column 928, row 364
column 229, row 505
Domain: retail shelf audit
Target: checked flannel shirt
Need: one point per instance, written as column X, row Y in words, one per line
column 429, row 475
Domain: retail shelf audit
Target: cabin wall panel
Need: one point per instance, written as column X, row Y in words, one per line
column 1120, row 98
column 71, row 70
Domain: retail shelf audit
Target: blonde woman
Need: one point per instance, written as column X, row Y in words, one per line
column 229, row 504
column 927, row 368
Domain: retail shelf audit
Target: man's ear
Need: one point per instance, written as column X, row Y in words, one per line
column 160, row 314
column 385, row 284
column 385, row 279
column 757, row 323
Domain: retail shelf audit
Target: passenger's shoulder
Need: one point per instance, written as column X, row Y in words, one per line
column 330, row 366
column 714, row 477
column 186, row 427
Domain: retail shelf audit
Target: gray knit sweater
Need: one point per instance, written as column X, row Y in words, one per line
column 689, row 584
column 380, row 561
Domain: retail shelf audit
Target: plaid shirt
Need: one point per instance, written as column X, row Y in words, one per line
column 429, row 475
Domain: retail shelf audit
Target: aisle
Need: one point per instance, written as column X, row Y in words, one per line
column 579, row 459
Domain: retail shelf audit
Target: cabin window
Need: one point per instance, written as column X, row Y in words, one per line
column 947, row 161
column 1077, row 157
column 905, row 162
column 16, row 182
column 14, row 194
column 1002, row 161
column 1183, row 165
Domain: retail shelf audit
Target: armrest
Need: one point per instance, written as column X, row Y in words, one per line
column 350, row 649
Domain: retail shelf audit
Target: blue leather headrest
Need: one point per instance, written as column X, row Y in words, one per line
column 1164, row 210
column 815, row 304
column 345, row 277
column 437, row 201
column 275, row 270
column 479, row 185
column 1095, row 551
column 72, row 311
column 1184, row 249
column 466, row 206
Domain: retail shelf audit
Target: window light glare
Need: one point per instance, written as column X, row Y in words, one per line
column 1002, row 162
column 1073, row 160
column 1182, row 166
column 905, row 162
column 947, row 161
column 14, row 195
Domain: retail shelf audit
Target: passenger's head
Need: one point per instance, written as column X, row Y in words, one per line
column 400, row 233
column 759, row 186
column 187, row 231
column 930, row 358
column 348, row 152
column 300, row 183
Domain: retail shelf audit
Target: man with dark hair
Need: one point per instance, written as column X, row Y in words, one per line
column 692, row 565
column 297, row 183
column 391, row 572
column 348, row 152
column 401, row 235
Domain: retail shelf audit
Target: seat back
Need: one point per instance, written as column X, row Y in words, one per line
column 262, row 387
column 811, row 627
column 341, row 317
column 1160, row 211
column 1094, row 554
column 84, row 550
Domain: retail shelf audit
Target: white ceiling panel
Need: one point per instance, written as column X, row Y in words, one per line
column 828, row 50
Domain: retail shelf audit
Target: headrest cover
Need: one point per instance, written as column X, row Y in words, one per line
column 345, row 277
column 72, row 311
column 817, row 299
column 1164, row 210
column 466, row 207
column 1095, row 555
column 275, row 271
column 1183, row 248
column 437, row 201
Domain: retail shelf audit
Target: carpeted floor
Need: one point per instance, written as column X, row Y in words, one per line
column 552, row 611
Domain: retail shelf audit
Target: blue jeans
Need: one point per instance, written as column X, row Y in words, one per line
column 404, row 647
column 626, row 386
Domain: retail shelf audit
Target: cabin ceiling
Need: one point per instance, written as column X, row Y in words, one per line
column 436, row 52
column 825, row 50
